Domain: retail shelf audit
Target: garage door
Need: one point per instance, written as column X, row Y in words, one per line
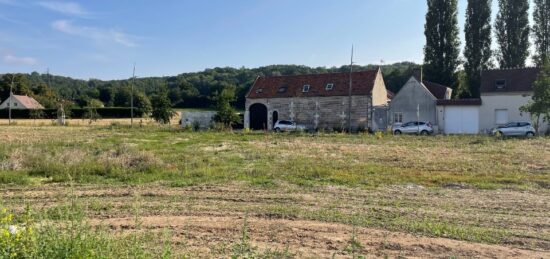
column 461, row 120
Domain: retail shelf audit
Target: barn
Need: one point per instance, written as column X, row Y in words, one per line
column 318, row 101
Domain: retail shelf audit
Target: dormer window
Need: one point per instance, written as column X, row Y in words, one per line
column 282, row 89
column 305, row 89
column 329, row 87
column 500, row 84
column 260, row 90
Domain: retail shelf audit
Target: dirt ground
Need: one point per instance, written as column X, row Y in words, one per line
column 204, row 221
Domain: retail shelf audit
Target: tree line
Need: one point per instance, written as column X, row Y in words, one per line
column 188, row 90
column 512, row 32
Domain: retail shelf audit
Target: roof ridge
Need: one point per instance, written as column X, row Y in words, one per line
column 316, row 74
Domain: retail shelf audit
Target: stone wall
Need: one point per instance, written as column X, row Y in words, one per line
column 317, row 112
column 203, row 118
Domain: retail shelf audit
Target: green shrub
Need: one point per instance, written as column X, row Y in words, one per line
column 10, row 177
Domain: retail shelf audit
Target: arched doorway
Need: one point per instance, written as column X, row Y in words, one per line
column 275, row 117
column 258, row 116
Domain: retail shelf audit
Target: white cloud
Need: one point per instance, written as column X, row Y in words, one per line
column 69, row 8
column 99, row 35
column 15, row 60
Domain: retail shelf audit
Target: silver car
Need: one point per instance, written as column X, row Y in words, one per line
column 413, row 127
column 515, row 129
column 283, row 125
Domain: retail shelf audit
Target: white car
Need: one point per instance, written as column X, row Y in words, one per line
column 282, row 125
column 515, row 129
column 413, row 127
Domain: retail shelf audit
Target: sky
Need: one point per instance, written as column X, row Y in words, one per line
column 103, row 38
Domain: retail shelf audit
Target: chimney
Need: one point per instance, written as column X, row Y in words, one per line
column 418, row 74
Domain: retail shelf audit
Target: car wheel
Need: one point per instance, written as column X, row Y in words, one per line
column 277, row 130
column 424, row 133
column 397, row 132
column 530, row 134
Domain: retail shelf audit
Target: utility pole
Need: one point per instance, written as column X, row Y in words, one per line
column 132, row 97
column 350, row 90
column 11, row 96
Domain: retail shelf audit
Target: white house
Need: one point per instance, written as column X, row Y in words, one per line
column 21, row 102
column 503, row 92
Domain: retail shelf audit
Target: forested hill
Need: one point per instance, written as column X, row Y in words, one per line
column 187, row 90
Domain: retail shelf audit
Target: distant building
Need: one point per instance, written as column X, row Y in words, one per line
column 417, row 100
column 503, row 92
column 21, row 102
column 319, row 101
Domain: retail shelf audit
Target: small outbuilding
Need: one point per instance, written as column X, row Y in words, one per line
column 21, row 102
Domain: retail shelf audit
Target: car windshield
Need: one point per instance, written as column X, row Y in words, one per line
column 511, row 124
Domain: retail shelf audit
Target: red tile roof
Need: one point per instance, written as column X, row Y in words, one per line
column 28, row 102
column 291, row 86
column 516, row 80
column 461, row 102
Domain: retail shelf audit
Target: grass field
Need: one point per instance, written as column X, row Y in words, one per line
column 213, row 194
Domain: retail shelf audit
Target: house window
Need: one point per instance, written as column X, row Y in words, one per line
column 501, row 116
column 329, row 87
column 15, row 104
column 259, row 91
column 282, row 89
column 500, row 84
column 305, row 89
column 398, row 117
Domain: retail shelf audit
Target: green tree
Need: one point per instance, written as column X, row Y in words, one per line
column 20, row 85
column 162, row 108
column 226, row 114
column 107, row 95
column 91, row 113
column 442, row 43
column 541, row 30
column 122, row 97
column 539, row 106
column 512, row 33
column 478, row 44
column 142, row 104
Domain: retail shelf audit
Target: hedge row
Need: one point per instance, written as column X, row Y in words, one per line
column 78, row 113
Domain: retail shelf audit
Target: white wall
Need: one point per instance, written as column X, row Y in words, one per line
column 509, row 101
column 203, row 118
column 16, row 105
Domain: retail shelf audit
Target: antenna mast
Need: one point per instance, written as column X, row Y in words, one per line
column 132, row 97
column 350, row 90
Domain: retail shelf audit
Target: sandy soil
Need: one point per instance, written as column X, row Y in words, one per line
column 205, row 221
column 311, row 239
